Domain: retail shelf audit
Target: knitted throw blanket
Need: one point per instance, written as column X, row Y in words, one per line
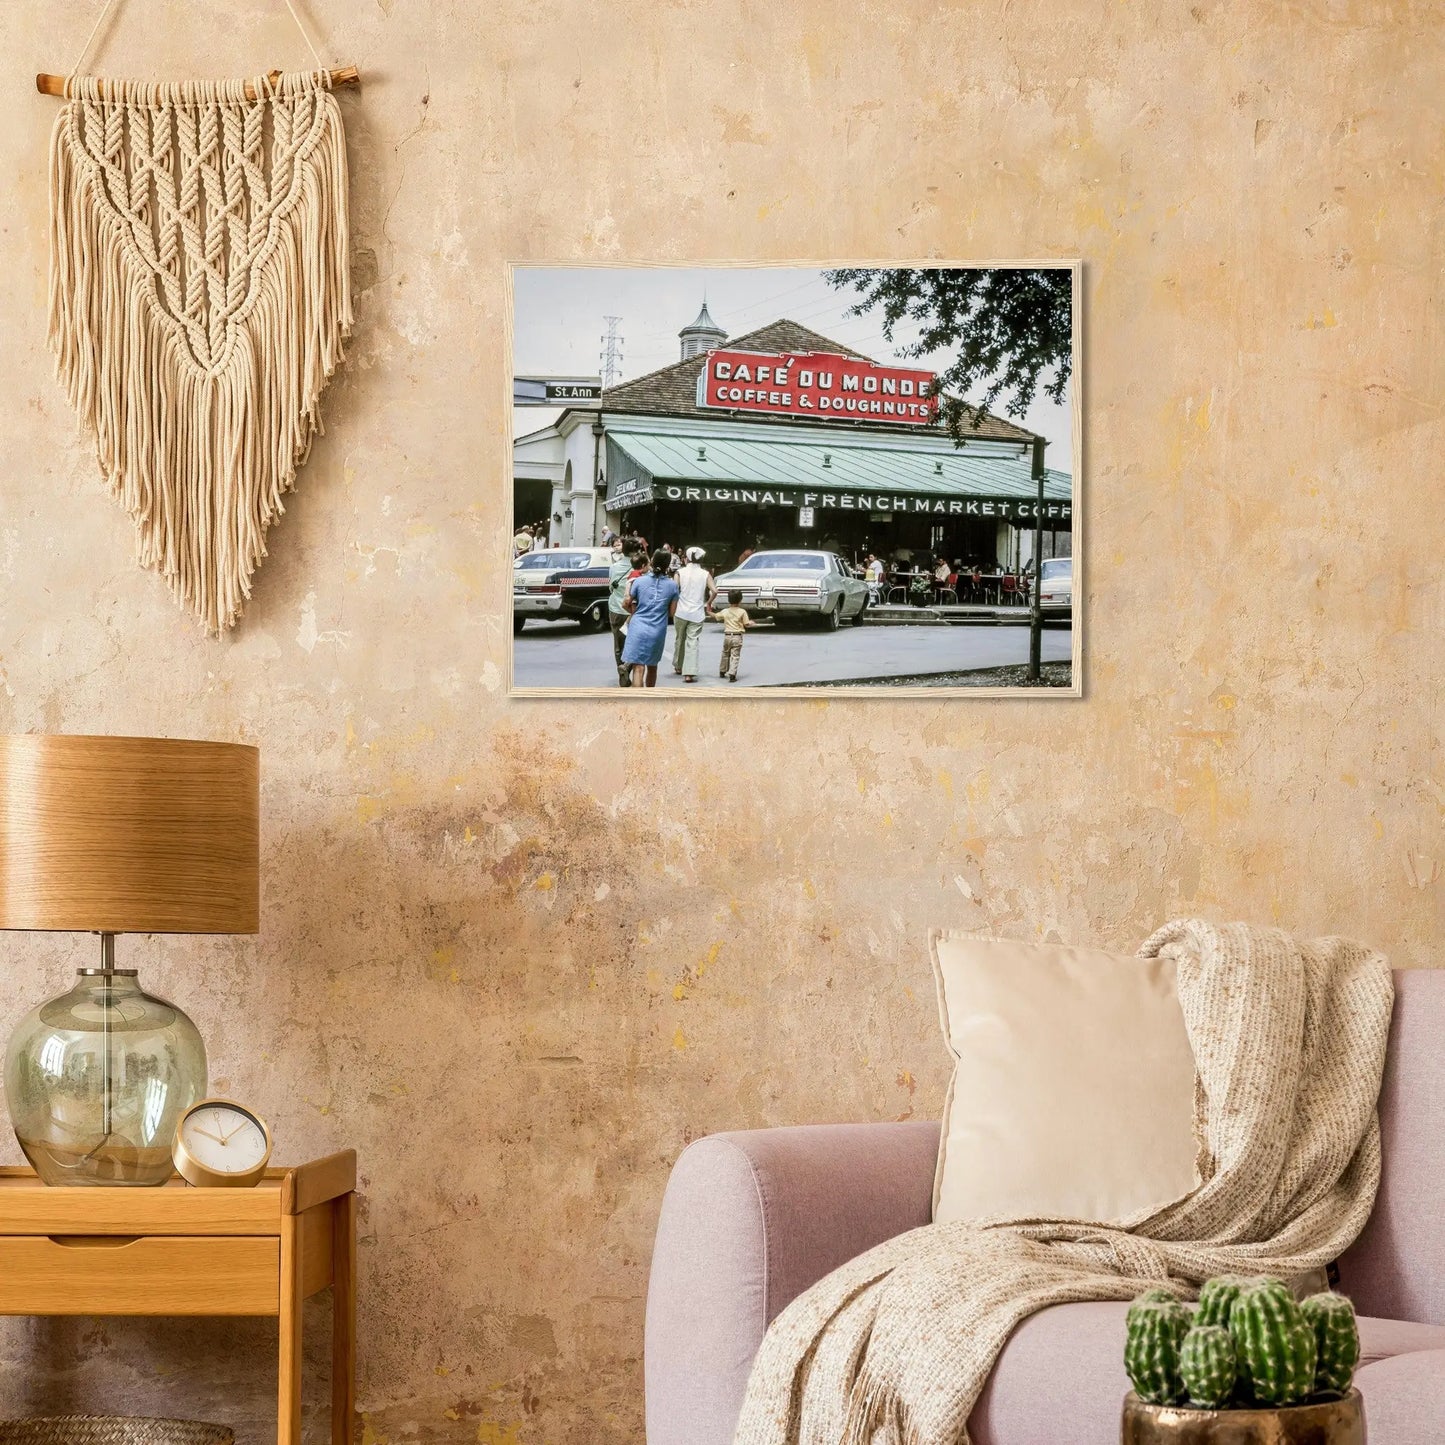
column 200, row 293
column 1289, row 1043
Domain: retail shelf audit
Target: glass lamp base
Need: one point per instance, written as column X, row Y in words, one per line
column 97, row 1079
column 108, row 1162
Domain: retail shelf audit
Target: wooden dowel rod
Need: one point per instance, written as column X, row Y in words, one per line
column 55, row 84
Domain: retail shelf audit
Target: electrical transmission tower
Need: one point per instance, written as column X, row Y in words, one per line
column 611, row 354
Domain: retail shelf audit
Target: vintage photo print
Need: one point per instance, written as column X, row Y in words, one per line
column 764, row 479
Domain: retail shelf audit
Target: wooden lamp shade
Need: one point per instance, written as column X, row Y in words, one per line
column 129, row 835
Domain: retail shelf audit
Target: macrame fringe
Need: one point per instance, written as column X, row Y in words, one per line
column 200, row 455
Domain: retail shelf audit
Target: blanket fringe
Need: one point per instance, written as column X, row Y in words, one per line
column 877, row 1415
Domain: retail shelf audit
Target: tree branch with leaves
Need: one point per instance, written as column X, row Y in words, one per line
column 1011, row 329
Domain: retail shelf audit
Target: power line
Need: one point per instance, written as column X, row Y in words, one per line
column 777, row 296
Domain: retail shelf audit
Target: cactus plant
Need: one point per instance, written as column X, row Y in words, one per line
column 1337, row 1340
column 1275, row 1342
column 1156, row 1328
column 1216, row 1302
column 1217, row 1297
column 1155, row 1297
column 1249, row 1344
column 1208, row 1366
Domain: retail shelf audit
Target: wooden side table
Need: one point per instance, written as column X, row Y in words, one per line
column 183, row 1251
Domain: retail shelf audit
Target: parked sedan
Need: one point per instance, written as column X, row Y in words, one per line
column 799, row 584
column 1056, row 587
column 561, row 583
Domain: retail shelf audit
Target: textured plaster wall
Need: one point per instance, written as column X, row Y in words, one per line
column 520, row 954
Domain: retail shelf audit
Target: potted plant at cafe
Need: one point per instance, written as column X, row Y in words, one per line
column 1249, row 1366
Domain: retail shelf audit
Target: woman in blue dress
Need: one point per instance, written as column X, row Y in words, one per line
column 652, row 601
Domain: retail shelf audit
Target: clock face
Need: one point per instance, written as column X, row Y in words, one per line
column 224, row 1138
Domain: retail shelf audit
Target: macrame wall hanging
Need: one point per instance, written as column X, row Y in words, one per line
column 200, row 296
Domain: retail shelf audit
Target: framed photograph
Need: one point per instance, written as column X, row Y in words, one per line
column 764, row 480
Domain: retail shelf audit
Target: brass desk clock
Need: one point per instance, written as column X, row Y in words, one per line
column 221, row 1144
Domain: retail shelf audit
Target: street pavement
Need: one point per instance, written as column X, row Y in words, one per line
column 558, row 654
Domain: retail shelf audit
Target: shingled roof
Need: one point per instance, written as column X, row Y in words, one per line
column 672, row 391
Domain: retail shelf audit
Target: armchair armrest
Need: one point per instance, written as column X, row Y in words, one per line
column 748, row 1222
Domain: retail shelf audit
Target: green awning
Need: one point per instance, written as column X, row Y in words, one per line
column 932, row 466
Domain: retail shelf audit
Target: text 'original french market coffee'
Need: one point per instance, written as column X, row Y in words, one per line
column 806, row 383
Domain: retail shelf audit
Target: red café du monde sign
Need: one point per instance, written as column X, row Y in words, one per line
column 815, row 384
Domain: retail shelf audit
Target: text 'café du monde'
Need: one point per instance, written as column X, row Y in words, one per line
column 783, row 438
column 799, row 384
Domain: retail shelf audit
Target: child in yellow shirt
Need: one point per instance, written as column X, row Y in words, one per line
column 735, row 621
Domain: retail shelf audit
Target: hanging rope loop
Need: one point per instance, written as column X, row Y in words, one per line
column 68, row 89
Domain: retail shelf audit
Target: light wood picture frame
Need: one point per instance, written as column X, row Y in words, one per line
column 784, row 417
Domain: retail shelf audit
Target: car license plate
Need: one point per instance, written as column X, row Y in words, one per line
column 768, row 604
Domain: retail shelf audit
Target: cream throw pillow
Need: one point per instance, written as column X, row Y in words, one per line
column 1073, row 1089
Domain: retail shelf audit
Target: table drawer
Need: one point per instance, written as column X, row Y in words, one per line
column 151, row 1275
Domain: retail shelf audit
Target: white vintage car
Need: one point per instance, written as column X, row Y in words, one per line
column 798, row 584
column 1056, row 587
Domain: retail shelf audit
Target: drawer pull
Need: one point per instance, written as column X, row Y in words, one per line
column 93, row 1241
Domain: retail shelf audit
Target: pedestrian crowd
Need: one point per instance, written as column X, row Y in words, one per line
column 929, row 579
column 530, row 537
column 649, row 592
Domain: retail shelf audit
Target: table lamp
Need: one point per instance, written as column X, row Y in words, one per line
column 118, row 835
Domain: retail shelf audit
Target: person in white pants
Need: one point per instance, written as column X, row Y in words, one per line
column 696, row 591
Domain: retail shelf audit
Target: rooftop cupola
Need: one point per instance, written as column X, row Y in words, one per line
column 703, row 335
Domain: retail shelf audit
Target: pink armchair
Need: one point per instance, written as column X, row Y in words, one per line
column 750, row 1220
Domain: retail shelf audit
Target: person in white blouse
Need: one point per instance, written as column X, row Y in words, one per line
column 696, row 591
column 873, row 574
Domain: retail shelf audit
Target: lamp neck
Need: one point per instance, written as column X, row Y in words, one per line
column 107, row 953
column 108, row 984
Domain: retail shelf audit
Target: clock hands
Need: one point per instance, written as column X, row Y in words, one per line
column 221, row 1138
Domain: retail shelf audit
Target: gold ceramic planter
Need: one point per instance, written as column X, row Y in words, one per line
column 1328, row 1422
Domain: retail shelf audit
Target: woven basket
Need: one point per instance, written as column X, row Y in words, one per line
column 112, row 1430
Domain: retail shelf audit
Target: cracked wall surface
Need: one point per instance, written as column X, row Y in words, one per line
column 520, row 953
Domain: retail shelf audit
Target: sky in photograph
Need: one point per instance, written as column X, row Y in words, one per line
column 560, row 320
